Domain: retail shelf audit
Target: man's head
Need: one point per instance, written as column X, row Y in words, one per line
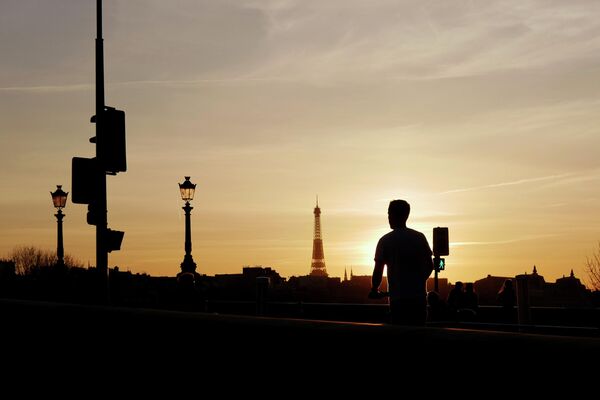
column 398, row 213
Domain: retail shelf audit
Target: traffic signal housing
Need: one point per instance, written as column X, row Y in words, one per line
column 92, row 214
column 113, row 240
column 83, row 178
column 440, row 242
column 111, row 145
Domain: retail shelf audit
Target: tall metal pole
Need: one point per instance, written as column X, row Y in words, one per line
column 60, row 251
column 100, row 200
column 436, row 286
column 188, row 228
column 188, row 264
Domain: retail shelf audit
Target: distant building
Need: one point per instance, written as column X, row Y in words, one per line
column 569, row 292
column 365, row 282
column 243, row 286
column 314, row 282
column 260, row 271
column 357, row 289
column 537, row 288
column 315, row 288
column 443, row 286
column 250, row 273
column 487, row 289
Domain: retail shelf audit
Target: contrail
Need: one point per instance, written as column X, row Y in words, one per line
column 511, row 183
column 89, row 86
column 49, row 88
column 508, row 241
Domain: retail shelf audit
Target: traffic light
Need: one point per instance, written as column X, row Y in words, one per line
column 83, row 177
column 440, row 264
column 113, row 240
column 440, row 242
column 111, row 146
column 92, row 214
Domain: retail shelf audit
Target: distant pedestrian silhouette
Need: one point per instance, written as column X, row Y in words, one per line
column 436, row 307
column 507, row 299
column 190, row 296
column 407, row 256
column 455, row 299
column 470, row 304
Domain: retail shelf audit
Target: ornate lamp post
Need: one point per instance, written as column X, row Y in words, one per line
column 187, row 189
column 59, row 199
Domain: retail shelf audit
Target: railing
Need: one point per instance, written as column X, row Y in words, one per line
column 117, row 345
column 548, row 320
column 70, row 327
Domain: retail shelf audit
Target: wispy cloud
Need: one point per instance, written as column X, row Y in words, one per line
column 193, row 82
column 423, row 41
column 510, row 183
column 575, row 179
column 507, row 241
column 47, row 88
column 167, row 83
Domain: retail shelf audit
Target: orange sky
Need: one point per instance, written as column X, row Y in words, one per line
column 483, row 115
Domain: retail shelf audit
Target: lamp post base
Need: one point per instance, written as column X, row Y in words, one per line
column 188, row 264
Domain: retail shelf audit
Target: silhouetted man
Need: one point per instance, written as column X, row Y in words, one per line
column 408, row 258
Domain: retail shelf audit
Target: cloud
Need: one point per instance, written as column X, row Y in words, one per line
column 496, row 242
column 511, row 183
column 574, row 179
column 306, row 40
column 417, row 40
column 47, row 88
column 142, row 83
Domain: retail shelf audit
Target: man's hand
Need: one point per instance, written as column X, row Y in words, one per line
column 376, row 294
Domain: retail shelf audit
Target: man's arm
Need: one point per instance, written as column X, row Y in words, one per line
column 427, row 266
column 377, row 271
column 377, row 276
column 427, row 260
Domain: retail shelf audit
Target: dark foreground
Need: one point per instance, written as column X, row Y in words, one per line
column 130, row 340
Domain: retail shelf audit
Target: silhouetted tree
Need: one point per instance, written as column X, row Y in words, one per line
column 72, row 262
column 29, row 259
column 593, row 269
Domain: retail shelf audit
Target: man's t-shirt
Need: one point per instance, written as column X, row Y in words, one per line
column 408, row 258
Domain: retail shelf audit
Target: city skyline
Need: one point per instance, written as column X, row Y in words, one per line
column 481, row 115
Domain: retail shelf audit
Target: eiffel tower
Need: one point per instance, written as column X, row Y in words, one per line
column 317, row 267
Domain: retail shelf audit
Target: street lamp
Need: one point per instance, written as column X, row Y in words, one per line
column 59, row 199
column 187, row 190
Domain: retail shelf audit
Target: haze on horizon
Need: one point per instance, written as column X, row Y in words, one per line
column 481, row 114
